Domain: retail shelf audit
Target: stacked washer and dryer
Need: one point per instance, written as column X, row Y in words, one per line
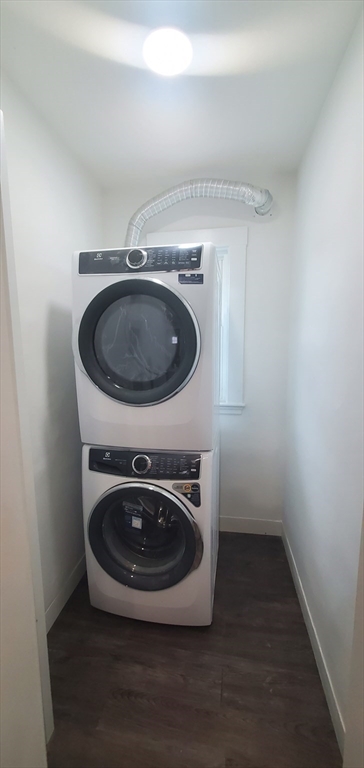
column 146, row 347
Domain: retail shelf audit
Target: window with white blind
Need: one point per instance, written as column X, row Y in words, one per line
column 231, row 245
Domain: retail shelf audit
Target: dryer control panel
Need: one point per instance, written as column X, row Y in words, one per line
column 157, row 466
column 164, row 258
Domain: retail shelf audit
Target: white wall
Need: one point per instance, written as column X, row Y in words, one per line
column 325, row 452
column 22, row 743
column 55, row 210
column 253, row 443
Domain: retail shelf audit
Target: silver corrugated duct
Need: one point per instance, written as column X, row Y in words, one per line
column 228, row 190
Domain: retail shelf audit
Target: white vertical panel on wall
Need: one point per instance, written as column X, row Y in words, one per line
column 22, row 729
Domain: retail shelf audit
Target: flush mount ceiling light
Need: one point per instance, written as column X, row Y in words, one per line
column 167, row 51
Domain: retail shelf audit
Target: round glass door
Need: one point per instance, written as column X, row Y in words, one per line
column 139, row 342
column 144, row 537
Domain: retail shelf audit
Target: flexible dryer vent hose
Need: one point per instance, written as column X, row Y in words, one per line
column 261, row 199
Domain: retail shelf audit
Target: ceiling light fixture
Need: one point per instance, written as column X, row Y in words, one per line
column 167, row 51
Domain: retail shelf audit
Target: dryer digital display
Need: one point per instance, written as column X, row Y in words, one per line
column 165, row 258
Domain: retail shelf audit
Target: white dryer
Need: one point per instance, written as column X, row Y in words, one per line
column 145, row 342
column 151, row 533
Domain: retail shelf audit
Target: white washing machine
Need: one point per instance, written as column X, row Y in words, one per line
column 151, row 533
column 145, row 342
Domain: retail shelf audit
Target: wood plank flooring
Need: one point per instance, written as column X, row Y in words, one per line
column 243, row 693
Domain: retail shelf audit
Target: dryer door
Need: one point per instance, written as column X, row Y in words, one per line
column 144, row 537
column 139, row 341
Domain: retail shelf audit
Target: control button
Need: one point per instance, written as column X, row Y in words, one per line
column 196, row 499
column 141, row 464
column 195, row 488
column 136, row 258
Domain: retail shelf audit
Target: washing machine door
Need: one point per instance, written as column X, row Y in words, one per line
column 139, row 341
column 144, row 537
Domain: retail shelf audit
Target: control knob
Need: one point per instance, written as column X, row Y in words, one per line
column 136, row 258
column 141, row 464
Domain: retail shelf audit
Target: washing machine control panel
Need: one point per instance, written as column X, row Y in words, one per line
column 157, row 466
column 164, row 258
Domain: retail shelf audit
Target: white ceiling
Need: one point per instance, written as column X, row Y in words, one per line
column 260, row 74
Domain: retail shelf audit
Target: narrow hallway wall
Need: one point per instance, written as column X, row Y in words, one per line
column 325, row 451
column 55, row 210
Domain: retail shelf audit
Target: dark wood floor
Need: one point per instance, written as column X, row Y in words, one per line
column 243, row 693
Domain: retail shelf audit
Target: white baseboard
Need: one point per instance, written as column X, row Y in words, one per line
column 65, row 593
column 327, row 685
column 250, row 525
